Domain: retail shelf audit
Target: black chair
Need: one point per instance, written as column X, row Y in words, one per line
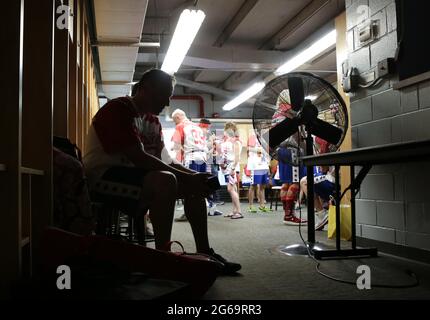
column 117, row 204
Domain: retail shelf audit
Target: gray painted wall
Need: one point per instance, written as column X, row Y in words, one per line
column 394, row 202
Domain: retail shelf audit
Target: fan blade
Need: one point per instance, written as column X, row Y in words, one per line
column 281, row 132
column 325, row 131
column 297, row 93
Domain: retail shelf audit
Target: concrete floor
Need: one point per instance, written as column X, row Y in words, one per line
column 268, row 274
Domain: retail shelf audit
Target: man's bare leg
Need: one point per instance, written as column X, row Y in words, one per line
column 159, row 192
column 195, row 210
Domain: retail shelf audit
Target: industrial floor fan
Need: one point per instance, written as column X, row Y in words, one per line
column 302, row 112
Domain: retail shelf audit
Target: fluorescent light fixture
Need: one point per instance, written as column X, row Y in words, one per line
column 186, row 30
column 248, row 93
column 308, row 54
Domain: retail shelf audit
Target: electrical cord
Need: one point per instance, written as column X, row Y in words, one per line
column 375, row 82
column 318, row 263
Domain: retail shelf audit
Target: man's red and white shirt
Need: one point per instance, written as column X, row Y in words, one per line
column 116, row 127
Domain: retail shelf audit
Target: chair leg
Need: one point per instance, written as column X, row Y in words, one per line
column 141, row 229
column 130, row 228
column 116, row 218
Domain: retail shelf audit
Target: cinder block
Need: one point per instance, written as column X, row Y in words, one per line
column 386, row 104
column 361, row 111
column 354, row 137
column 366, row 211
column 383, row 48
column 416, row 178
column 376, row 5
column 390, row 214
column 391, row 17
column 424, row 95
column 360, row 59
column 354, row 14
column 348, row 3
column 399, row 186
column 374, row 133
column 418, row 240
column 415, row 126
column 358, row 230
column 396, row 129
column 400, row 237
column 378, row 187
column 378, row 233
column 386, row 168
column 415, row 217
column 409, row 99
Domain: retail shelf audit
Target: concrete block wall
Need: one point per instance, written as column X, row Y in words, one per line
column 394, row 201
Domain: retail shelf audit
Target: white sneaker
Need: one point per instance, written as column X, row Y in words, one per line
column 321, row 219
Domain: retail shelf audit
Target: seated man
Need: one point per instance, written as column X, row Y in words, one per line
column 125, row 146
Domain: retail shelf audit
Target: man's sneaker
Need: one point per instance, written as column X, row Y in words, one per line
column 322, row 219
column 219, row 203
column 182, row 218
column 252, row 210
column 215, row 213
column 292, row 220
column 228, row 267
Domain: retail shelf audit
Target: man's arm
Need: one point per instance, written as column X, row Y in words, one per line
column 197, row 184
column 142, row 159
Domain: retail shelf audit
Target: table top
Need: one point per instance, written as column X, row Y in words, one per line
column 391, row 153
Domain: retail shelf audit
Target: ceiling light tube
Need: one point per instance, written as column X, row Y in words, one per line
column 245, row 95
column 308, row 54
column 186, row 30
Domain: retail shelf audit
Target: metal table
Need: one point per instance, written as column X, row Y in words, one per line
column 366, row 158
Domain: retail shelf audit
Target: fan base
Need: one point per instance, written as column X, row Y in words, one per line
column 301, row 249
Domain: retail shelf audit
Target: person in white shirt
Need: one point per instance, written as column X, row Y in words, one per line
column 230, row 153
column 190, row 145
column 258, row 164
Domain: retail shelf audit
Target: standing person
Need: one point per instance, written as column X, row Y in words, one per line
column 125, row 148
column 258, row 164
column 289, row 174
column 205, row 125
column 190, row 141
column 230, row 151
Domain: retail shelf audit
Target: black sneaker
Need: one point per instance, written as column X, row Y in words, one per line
column 229, row 267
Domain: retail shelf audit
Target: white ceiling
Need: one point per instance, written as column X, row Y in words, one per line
column 118, row 21
column 227, row 52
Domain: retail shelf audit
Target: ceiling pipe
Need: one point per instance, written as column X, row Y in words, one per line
column 197, row 98
column 126, row 44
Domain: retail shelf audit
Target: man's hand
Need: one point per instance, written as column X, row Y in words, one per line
column 194, row 185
